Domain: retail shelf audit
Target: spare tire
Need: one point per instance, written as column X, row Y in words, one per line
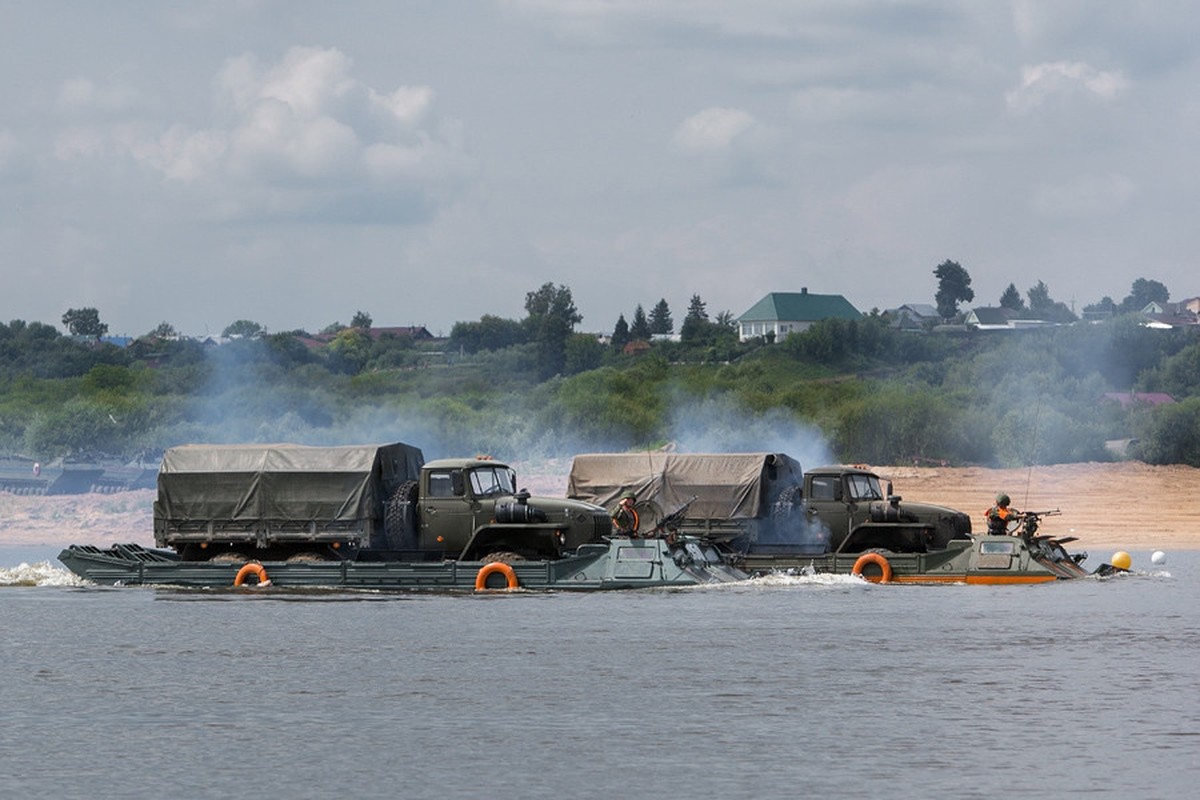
column 400, row 517
column 786, row 503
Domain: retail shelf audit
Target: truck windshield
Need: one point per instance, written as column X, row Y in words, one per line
column 863, row 487
column 487, row 481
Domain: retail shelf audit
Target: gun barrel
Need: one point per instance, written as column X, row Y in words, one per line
column 676, row 515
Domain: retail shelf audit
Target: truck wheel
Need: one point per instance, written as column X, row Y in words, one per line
column 503, row 557
column 306, row 557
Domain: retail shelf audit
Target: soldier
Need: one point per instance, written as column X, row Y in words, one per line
column 999, row 515
column 625, row 518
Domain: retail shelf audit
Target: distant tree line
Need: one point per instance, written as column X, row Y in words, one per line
column 538, row 385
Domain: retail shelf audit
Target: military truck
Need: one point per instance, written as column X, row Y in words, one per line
column 469, row 509
column 365, row 503
column 769, row 516
column 849, row 509
column 764, row 503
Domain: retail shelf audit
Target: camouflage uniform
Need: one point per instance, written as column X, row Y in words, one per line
column 625, row 518
column 999, row 515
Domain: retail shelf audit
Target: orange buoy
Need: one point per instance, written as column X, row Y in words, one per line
column 510, row 576
column 879, row 561
column 253, row 568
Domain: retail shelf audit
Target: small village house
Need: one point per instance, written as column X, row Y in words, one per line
column 782, row 313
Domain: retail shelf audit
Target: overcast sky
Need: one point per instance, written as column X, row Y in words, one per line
column 428, row 162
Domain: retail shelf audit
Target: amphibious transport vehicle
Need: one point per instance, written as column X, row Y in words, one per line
column 379, row 516
column 767, row 515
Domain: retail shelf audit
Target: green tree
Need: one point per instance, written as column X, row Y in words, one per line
column 1011, row 299
column 660, row 318
column 1144, row 292
column 349, row 350
column 1179, row 374
column 489, row 333
column 108, row 381
column 361, row 319
column 243, row 328
column 1104, row 305
column 551, row 322
column 1039, row 298
column 164, row 330
column 620, row 336
column 640, row 329
column 696, row 321
column 584, row 353
column 891, row 424
column 1171, row 434
column 1043, row 306
column 954, row 287
column 81, row 425
column 84, row 322
column 286, row 350
column 389, row 351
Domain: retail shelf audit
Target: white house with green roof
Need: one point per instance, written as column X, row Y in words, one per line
column 781, row 313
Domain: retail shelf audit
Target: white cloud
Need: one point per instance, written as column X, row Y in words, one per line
column 406, row 105
column 183, row 155
column 303, row 125
column 713, row 129
column 1041, row 82
column 301, row 118
column 278, row 141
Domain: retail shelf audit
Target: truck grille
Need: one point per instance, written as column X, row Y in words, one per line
column 602, row 525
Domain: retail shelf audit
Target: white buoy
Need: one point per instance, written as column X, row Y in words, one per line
column 1158, row 557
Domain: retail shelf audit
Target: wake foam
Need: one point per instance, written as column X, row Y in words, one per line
column 43, row 573
column 792, row 578
column 805, row 577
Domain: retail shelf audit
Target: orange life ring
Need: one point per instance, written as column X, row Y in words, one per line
column 873, row 558
column 510, row 576
column 253, row 568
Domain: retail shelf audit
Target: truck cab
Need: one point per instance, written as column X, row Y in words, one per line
column 458, row 496
column 861, row 512
column 470, row 509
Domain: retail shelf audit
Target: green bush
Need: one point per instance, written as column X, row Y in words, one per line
column 1171, row 434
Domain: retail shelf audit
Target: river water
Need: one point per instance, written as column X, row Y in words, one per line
column 784, row 687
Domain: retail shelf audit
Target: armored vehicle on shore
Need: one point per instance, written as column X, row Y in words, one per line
column 25, row 476
column 769, row 515
column 378, row 516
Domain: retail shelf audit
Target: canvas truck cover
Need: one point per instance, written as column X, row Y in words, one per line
column 726, row 485
column 280, row 482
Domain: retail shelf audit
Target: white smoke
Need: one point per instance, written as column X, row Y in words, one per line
column 722, row 425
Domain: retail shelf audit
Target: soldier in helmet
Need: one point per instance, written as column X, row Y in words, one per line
column 1000, row 515
column 625, row 518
